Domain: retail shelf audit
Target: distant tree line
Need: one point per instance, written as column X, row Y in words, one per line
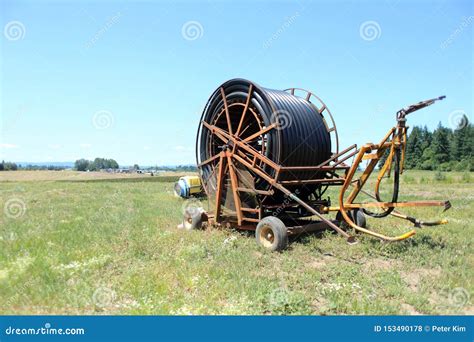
column 31, row 167
column 92, row 165
column 8, row 166
column 185, row 168
column 443, row 149
column 95, row 165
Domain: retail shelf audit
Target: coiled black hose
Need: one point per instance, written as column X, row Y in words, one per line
column 301, row 139
column 396, row 188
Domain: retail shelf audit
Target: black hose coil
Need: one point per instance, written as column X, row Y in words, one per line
column 301, row 138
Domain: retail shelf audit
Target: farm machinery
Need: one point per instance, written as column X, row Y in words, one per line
column 188, row 186
column 267, row 157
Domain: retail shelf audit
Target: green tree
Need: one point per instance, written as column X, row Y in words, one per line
column 440, row 145
column 426, row 154
column 427, row 160
column 9, row 166
column 82, row 165
column 414, row 148
column 113, row 164
column 96, row 165
column 462, row 142
column 427, row 137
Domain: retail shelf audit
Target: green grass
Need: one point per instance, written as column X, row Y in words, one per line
column 112, row 247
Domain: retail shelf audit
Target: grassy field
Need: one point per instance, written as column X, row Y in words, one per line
column 70, row 245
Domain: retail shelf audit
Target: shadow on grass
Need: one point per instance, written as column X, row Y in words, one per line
column 305, row 237
column 376, row 246
column 414, row 242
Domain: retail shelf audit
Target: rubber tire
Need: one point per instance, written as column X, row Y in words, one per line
column 279, row 231
column 359, row 218
column 357, row 215
column 342, row 222
column 192, row 220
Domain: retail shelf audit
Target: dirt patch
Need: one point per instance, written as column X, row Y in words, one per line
column 469, row 310
column 380, row 264
column 322, row 261
column 320, row 305
column 451, row 301
column 413, row 278
column 427, row 194
column 409, row 309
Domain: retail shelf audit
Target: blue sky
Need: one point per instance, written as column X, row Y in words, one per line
column 126, row 80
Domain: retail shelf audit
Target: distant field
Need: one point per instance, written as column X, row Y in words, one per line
column 73, row 245
column 24, row 176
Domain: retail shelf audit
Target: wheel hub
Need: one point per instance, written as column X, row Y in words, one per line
column 267, row 237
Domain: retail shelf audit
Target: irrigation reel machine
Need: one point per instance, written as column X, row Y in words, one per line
column 266, row 158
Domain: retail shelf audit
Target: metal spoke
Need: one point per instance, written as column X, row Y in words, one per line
column 207, row 161
column 259, row 133
column 227, row 115
column 220, row 133
column 249, row 96
column 234, row 184
column 219, row 184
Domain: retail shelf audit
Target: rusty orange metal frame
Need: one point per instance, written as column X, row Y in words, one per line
column 241, row 151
